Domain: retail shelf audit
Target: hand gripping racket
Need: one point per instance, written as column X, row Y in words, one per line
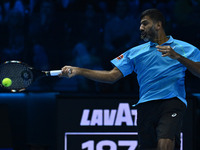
column 21, row 75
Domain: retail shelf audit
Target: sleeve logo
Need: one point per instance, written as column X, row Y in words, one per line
column 120, row 57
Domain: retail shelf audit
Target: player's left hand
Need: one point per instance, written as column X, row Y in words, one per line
column 167, row 51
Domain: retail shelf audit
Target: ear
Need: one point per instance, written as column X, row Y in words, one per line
column 158, row 25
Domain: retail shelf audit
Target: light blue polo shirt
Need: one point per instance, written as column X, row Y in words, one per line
column 158, row 77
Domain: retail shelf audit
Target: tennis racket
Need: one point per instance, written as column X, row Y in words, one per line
column 21, row 75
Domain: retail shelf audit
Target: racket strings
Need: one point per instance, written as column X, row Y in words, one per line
column 20, row 75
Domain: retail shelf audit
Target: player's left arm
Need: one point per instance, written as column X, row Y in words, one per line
column 193, row 67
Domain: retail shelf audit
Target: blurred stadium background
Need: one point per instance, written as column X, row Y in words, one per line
column 48, row 34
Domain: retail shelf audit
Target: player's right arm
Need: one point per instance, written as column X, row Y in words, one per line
column 95, row 75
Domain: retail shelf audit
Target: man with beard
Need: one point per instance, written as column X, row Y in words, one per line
column 160, row 66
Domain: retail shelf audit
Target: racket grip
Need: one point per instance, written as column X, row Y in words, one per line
column 55, row 72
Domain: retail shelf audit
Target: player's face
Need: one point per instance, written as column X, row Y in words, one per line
column 147, row 28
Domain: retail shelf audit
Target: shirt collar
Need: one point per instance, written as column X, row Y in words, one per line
column 170, row 40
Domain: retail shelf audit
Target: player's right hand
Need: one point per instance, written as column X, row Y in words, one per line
column 68, row 71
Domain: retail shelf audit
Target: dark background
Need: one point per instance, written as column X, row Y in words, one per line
column 48, row 34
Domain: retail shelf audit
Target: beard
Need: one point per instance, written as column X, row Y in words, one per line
column 149, row 35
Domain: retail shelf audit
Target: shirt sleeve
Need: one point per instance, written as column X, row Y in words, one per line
column 193, row 54
column 124, row 64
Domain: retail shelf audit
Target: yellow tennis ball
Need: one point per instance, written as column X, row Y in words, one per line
column 6, row 82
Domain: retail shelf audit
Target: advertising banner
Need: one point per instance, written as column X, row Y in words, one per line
column 97, row 123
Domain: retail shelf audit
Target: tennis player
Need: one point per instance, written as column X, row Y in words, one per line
column 160, row 65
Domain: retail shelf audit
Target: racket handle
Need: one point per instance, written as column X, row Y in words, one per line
column 54, row 72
